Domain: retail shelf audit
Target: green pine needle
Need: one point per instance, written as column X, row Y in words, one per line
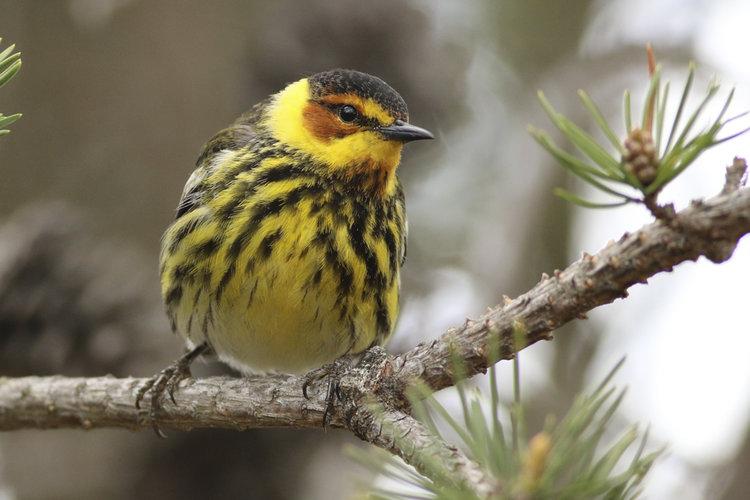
column 567, row 460
column 660, row 113
column 10, row 70
column 577, row 200
column 672, row 156
column 627, row 112
column 7, row 120
column 683, row 101
column 10, row 64
column 653, row 90
column 601, row 121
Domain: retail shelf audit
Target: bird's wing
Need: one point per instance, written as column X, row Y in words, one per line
column 404, row 240
column 401, row 204
column 216, row 150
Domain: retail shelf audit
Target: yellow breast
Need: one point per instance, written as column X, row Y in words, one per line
column 282, row 271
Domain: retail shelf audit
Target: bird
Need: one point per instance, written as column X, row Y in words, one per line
column 289, row 237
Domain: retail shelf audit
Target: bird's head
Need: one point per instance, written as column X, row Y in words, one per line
column 351, row 122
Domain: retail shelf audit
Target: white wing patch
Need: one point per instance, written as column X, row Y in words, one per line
column 192, row 192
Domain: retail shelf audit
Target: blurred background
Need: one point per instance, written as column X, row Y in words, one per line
column 118, row 97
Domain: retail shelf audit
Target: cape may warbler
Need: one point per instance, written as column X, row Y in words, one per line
column 289, row 236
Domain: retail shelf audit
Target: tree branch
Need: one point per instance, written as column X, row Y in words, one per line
column 223, row 402
column 709, row 228
column 238, row 404
column 403, row 435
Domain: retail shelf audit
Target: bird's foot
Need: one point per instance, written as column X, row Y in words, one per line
column 167, row 380
column 333, row 373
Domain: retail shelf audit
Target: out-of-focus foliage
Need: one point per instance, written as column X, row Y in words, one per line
column 58, row 305
column 566, row 460
column 10, row 64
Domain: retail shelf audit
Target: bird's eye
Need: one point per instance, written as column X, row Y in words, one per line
column 348, row 113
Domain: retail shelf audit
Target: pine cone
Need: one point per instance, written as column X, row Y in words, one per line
column 640, row 157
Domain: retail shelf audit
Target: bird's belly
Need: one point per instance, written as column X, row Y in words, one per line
column 283, row 286
column 279, row 319
column 292, row 307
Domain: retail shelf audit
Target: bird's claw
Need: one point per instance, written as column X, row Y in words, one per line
column 333, row 372
column 168, row 379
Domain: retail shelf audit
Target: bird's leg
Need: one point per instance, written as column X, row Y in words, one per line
column 168, row 379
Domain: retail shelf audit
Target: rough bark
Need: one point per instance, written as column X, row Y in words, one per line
column 88, row 403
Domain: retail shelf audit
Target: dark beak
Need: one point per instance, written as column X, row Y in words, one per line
column 404, row 132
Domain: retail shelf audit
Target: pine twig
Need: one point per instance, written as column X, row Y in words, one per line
column 710, row 228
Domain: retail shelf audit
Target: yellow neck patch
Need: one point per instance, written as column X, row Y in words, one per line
column 347, row 155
